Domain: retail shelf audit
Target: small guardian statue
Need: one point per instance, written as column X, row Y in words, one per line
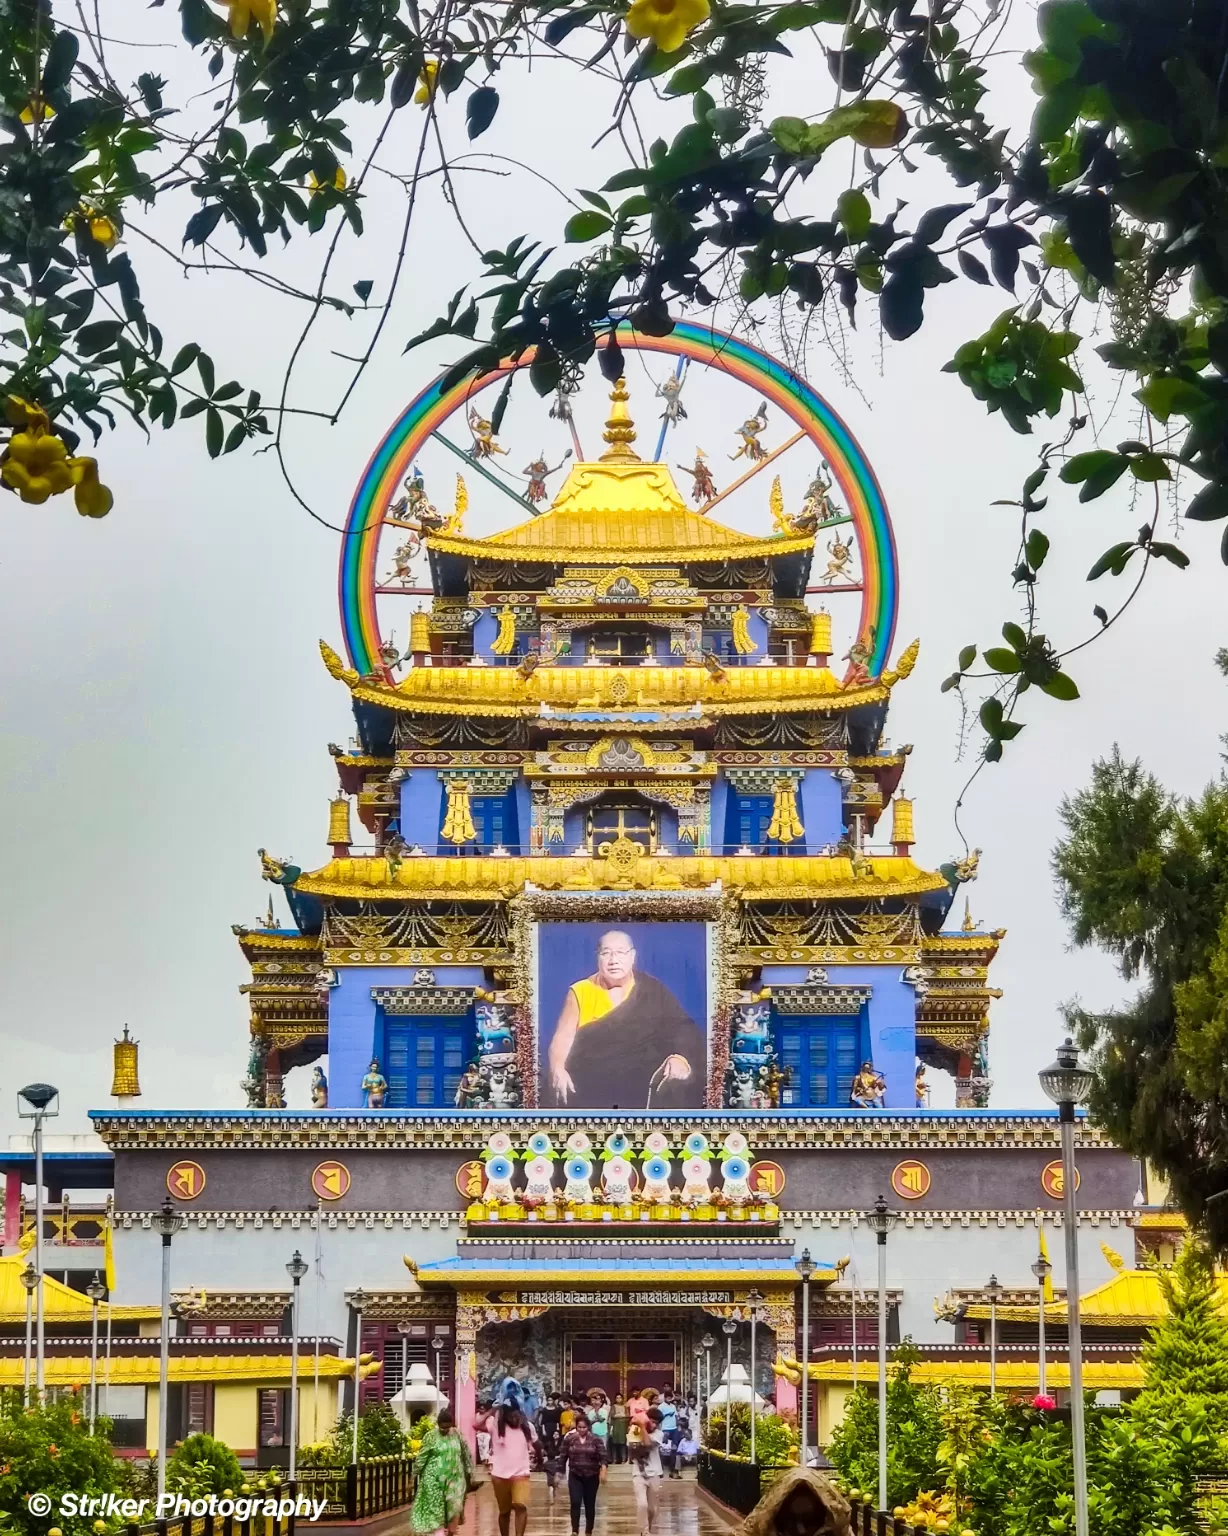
column 374, row 1087
column 319, row 1088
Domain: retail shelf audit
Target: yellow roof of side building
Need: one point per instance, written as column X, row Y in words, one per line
column 61, row 1304
column 1010, row 1375
column 810, row 877
column 1132, row 1298
column 142, row 1370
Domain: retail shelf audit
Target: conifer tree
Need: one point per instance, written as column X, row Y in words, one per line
column 1186, row 1357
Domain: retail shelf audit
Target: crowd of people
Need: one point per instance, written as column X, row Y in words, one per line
column 572, row 1438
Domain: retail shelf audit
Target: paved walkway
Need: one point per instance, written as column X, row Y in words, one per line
column 682, row 1512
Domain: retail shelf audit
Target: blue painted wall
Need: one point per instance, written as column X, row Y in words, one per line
column 352, row 1021
column 821, row 808
column 422, row 796
column 485, row 632
column 891, row 1021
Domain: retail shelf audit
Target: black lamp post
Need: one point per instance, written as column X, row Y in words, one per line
column 805, row 1267
column 881, row 1221
column 167, row 1222
column 296, row 1269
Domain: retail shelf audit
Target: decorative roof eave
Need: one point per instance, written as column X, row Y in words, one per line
column 567, row 554
column 803, row 877
column 529, row 1272
column 979, row 944
column 509, row 693
column 261, row 942
column 469, row 1130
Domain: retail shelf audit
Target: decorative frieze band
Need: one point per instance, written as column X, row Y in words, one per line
column 431, row 1000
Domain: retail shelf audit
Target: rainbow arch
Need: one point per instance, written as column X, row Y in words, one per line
column 392, row 460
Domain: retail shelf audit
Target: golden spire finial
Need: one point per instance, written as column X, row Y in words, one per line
column 969, row 925
column 619, row 429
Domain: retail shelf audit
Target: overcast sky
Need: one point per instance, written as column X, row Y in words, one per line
column 166, row 711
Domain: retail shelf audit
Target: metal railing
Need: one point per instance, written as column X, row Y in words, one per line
column 868, row 1521
column 737, row 1484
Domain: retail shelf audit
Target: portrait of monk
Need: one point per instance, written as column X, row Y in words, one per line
column 623, row 1040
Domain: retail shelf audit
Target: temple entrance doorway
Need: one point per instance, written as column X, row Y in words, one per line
column 622, row 1363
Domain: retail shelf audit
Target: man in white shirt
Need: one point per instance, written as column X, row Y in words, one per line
column 646, row 1472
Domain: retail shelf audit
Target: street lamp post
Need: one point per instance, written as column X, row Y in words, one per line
column 358, row 1300
column 438, row 1344
column 729, row 1328
column 95, row 1290
column 881, row 1222
column 1041, row 1270
column 168, row 1221
column 709, row 1344
column 699, row 1387
column 1068, row 1084
column 403, row 1328
column 29, row 1278
column 40, row 1097
column 296, row 1269
column 993, row 1290
column 754, row 1298
column 805, row 1267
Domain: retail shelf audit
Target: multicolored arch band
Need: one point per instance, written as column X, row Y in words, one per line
column 403, row 441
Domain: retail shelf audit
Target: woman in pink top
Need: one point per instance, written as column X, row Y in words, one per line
column 511, row 1461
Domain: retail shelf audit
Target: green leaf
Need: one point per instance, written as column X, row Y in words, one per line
column 874, row 124
column 1014, row 637
column 363, row 289
column 1084, row 464
column 586, row 225
column 204, row 366
column 1001, row 660
column 966, row 657
column 184, row 358
column 1149, row 466
column 215, row 432
column 853, row 213
column 1036, row 548
column 791, row 133
column 1060, row 686
column 480, row 109
column 990, row 715
column 1210, row 504
column 1166, row 396
column 1113, row 559
column 1171, row 553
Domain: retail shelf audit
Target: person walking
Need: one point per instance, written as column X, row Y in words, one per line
column 599, row 1416
column 511, row 1460
column 669, row 1428
column 442, row 1473
column 584, row 1455
column 646, row 1471
column 618, row 1430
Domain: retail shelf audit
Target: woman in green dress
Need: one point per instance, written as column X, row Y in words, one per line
column 442, row 1470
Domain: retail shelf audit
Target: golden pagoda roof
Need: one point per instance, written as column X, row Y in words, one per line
column 507, row 691
column 620, row 509
column 615, row 514
column 796, row 877
column 61, row 1304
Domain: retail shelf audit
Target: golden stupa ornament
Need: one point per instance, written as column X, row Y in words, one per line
column 619, row 429
column 125, row 1083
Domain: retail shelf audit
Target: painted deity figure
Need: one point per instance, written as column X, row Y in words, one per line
column 483, row 430
column 374, row 1086
column 858, row 656
column 773, row 1081
column 504, row 1088
column 817, row 504
column 869, row 1090
column 703, row 487
column 922, row 1087
column 671, row 392
column 750, row 431
column 536, row 471
column 413, row 505
column 840, row 559
column 319, row 1088
column 470, row 1091
column 402, row 560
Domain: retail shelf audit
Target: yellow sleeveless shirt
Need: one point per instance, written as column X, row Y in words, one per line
column 593, row 1001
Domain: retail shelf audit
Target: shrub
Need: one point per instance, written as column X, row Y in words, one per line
column 776, row 1442
column 202, row 1465
column 914, row 1434
column 50, row 1450
column 379, row 1433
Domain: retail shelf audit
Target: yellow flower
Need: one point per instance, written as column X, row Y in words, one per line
column 427, row 80
column 35, row 465
column 44, row 110
column 339, row 181
column 93, row 499
column 242, row 11
column 666, row 22
column 103, row 230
